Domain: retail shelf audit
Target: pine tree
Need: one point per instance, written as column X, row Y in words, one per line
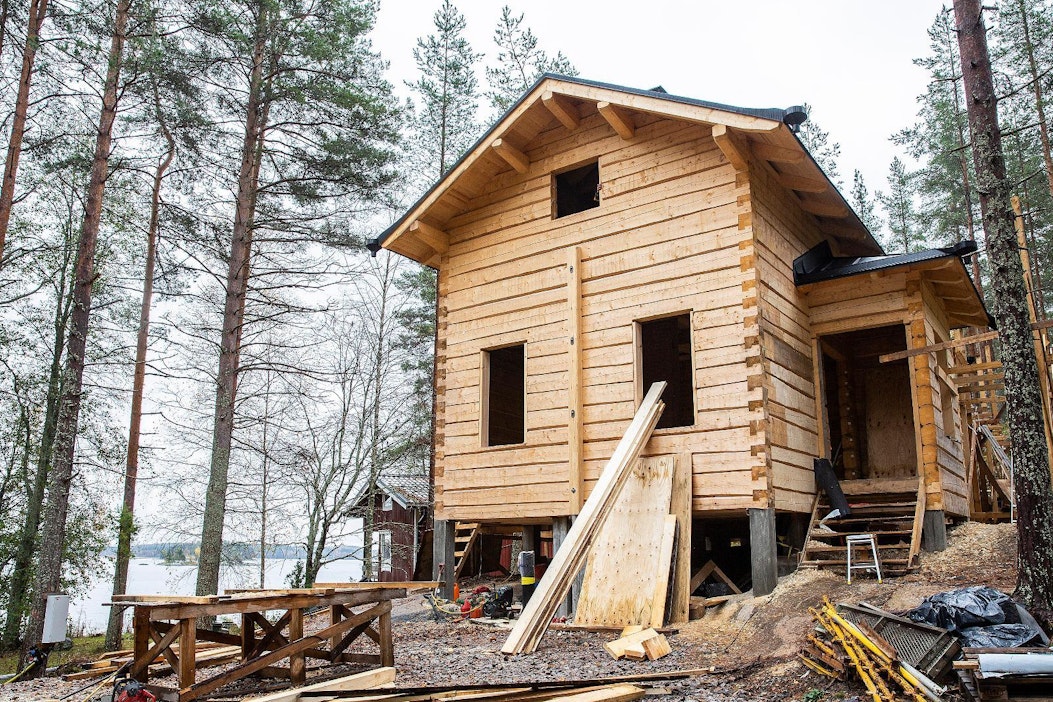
column 519, row 61
column 444, row 124
column 1031, row 474
column 53, row 538
column 938, row 140
column 905, row 234
column 317, row 125
column 864, row 204
column 825, row 152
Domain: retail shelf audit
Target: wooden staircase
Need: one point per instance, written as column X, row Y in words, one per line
column 893, row 517
column 465, row 541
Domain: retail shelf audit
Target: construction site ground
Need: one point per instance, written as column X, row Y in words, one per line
column 750, row 643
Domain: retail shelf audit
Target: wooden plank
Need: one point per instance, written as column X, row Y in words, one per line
column 575, row 398
column 622, row 574
column 570, row 558
column 661, row 582
column 358, row 681
column 942, row 346
column 680, row 506
column 175, row 599
column 260, row 603
column 401, row 585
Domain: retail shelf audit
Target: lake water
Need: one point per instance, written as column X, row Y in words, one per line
column 151, row 576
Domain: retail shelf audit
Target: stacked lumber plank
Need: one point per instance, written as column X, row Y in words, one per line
column 375, row 685
column 206, row 654
column 849, row 647
column 569, row 560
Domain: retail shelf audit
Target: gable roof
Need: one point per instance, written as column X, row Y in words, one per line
column 743, row 134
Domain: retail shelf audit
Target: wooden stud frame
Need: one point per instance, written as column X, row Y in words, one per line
column 484, row 394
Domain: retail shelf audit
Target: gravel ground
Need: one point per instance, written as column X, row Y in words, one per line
column 751, row 643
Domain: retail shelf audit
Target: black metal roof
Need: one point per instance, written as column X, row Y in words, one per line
column 819, row 263
column 773, row 113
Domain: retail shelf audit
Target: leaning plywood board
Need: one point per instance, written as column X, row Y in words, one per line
column 570, row 558
column 622, row 571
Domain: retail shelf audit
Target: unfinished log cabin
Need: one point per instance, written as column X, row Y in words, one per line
column 599, row 238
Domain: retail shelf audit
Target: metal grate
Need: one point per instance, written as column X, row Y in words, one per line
column 927, row 648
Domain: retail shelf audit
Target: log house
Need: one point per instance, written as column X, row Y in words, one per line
column 599, row 238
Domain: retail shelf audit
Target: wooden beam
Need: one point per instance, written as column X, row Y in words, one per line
column 357, row 681
column 823, row 208
column 942, row 346
column 562, row 109
column 434, row 237
column 802, row 184
column 404, row 584
column 733, row 148
column 618, row 118
column 575, row 387
column 777, row 154
column 512, row 156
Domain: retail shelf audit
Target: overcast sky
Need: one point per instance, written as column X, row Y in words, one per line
column 851, row 60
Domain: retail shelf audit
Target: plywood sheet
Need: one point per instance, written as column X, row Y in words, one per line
column 623, row 564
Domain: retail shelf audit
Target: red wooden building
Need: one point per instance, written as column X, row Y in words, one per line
column 401, row 514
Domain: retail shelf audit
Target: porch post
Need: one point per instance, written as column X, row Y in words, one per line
column 443, row 550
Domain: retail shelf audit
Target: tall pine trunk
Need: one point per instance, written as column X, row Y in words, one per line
column 53, row 540
column 1023, row 397
column 37, row 11
column 233, row 318
column 131, row 470
column 21, row 571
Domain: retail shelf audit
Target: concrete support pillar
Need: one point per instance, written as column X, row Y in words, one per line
column 763, row 556
column 443, row 549
column 560, row 527
column 934, row 530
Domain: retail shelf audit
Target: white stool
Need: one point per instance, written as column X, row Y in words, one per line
column 855, row 540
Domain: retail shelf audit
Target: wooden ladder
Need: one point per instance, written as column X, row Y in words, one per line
column 466, row 539
column 894, row 518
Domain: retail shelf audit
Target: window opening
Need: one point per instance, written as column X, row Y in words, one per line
column 665, row 354
column 577, row 190
column 505, row 394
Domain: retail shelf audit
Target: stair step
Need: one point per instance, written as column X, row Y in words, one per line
column 819, row 534
column 884, row 562
column 841, row 549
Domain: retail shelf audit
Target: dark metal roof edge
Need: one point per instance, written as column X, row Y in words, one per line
column 869, row 264
column 889, row 261
column 774, row 114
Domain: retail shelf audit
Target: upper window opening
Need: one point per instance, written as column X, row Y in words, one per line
column 577, row 190
column 665, row 354
column 504, row 413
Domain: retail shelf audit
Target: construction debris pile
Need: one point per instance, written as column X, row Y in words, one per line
column 845, row 646
column 896, row 657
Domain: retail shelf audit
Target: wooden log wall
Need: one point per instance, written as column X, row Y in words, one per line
column 783, row 232
column 667, row 239
column 942, row 455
